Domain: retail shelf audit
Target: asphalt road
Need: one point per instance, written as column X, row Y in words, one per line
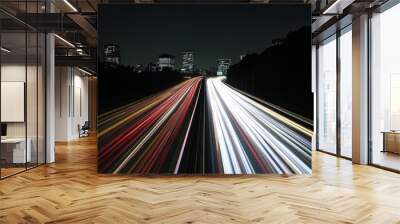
column 201, row 126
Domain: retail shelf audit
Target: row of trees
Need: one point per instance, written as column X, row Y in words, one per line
column 120, row 85
column 281, row 74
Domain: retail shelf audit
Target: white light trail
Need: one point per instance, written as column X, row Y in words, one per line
column 246, row 131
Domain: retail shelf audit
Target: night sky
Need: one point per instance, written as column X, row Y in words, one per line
column 143, row 32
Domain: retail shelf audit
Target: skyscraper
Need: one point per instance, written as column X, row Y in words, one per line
column 152, row 67
column 112, row 54
column 139, row 68
column 166, row 61
column 187, row 62
column 223, row 66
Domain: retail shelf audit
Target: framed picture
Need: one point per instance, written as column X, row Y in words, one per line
column 204, row 89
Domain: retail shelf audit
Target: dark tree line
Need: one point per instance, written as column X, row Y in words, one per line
column 119, row 85
column 281, row 74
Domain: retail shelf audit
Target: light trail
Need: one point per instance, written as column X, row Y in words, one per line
column 252, row 138
column 144, row 136
column 204, row 127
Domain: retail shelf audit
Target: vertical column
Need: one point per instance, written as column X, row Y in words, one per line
column 338, row 98
column 62, row 103
column 50, row 92
column 314, row 91
column 360, row 89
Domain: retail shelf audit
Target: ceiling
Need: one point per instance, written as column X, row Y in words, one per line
column 76, row 20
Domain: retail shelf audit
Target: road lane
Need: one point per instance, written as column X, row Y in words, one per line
column 201, row 126
column 250, row 138
column 148, row 136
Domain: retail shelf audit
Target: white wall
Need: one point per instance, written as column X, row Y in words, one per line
column 61, row 103
column 71, row 102
column 16, row 73
column 33, row 127
column 80, row 111
column 9, row 73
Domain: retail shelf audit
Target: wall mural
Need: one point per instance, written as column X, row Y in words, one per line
column 204, row 89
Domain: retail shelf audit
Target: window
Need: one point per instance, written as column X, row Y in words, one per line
column 346, row 92
column 385, row 88
column 327, row 95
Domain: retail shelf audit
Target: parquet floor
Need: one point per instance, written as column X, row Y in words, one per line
column 70, row 191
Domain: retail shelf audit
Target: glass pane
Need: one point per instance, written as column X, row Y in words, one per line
column 346, row 94
column 31, row 97
column 22, row 89
column 327, row 96
column 385, row 84
column 13, row 86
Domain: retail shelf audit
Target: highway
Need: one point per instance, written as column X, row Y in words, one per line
column 201, row 126
column 148, row 136
column 251, row 138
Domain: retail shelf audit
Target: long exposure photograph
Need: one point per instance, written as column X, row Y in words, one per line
column 204, row 89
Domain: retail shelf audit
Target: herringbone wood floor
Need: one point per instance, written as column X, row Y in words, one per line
column 70, row 191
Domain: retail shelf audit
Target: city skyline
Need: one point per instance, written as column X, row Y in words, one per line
column 182, row 30
column 189, row 63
